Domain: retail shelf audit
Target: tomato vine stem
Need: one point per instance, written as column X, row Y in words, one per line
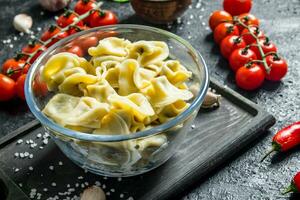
column 267, row 68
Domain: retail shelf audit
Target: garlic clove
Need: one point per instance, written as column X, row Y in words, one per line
column 93, row 193
column 22, row 23
column 211, row 99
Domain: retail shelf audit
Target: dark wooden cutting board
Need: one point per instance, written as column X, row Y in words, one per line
column 218, row 134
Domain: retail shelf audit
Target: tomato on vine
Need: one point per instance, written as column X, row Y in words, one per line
column 230, row 43
column 266, row 45
column 13, row 67
column 20, row 86
column 76, row 29
column 67, row 18
column 83, row 6
column 218, row 17
column 237, row 7
column 248, row 19
column 248, row 37
column 250, row 77
column 7, row 88
column 240, row 57
column 102, row 18
column 223, row 30
column 278, row 67
column 32, row 46
column 58, row 37
column 49, row 33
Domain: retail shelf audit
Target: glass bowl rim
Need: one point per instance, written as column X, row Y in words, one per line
column 45, row 121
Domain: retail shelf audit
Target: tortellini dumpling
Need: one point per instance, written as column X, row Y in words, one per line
column 126, row 87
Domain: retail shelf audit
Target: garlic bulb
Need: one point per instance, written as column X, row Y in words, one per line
column 93, row 193
column 22, row 23
column 54, row 5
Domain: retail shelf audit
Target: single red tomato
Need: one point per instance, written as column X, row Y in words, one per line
column 20, row 86
column 250, row 77
column 240, row 57
column 102, row 18
column 237, row 7
column 223, row 30
column 50, row 33
column 58, row 37
column 75, row 50
column 83, row 6
column 230, row 43
column 76, row 29
column 7, row 88
column 13, row 68
column 248, row 19
column 266, row 46
column 278, row 68
column 218, row 17
column 39, row 88
column 37, row 54
column 31, row 47
column 68, row 18
column 248, row 37
column 88, row 42
column 26, row 68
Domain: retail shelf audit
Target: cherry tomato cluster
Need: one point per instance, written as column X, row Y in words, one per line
column 251, row 55
column 85, row 16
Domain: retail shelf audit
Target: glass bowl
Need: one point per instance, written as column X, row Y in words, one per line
column 115, row 155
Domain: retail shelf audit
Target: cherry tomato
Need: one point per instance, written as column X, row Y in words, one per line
column 278, row 67
column 31, row 47
column 248, row 19
column 240, row 57
column 218, row 17
column 102, row 18
column 75, row 50
column 67, row 18
column 58, row 37
column 13, row 68
column 223, row 30
column 7, row 88
column 20, row 86
column 39, row 88
column 250, row 77
column 52, row 31
column 88, row 42
column 26, row 68
column 76, row 29
column 83, row 6
column 37, row 54
column 248, row 37
column 237, row 7
column 266, row 46
column 230, row 43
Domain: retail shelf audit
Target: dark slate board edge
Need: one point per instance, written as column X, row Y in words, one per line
column 262, row 121
column 18, row 132
column 13, row 193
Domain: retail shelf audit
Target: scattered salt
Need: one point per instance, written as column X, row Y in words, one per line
column 51, row 167
column 30, row 168
column 17, row 169
column 16, row 154
column 15, row 38
column 19, row 141
column 39, row 135
column 53, row 184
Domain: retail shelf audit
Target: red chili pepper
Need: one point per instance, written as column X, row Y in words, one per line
column 285, row 139
column 294, row 186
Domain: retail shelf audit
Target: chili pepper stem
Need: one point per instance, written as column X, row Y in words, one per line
column 275, row 147
column 291, row 188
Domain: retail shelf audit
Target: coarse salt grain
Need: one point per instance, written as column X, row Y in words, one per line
column 121, row 195
column 39, row 29
column 120, row 179
column 107, row 193
column 45, row 141
column 16, row 154
column 77, row 185
column 53, row 184
column 19, row 141
column 39, row 135
column 60, row 163
column 32, row 37
column 130, row 198
column 11, row 46
column 193, row 126
column 68, row 185
column 103, row 186
column 112, row 190
column 42, row 13
column 20, row 184
column 15, row 38
column 80, row 177
column 97, row 183
column 17, row 169
column 51, row 167
column 21, row 34
column 30, row 168
column 45, row 189
column 56, row 17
